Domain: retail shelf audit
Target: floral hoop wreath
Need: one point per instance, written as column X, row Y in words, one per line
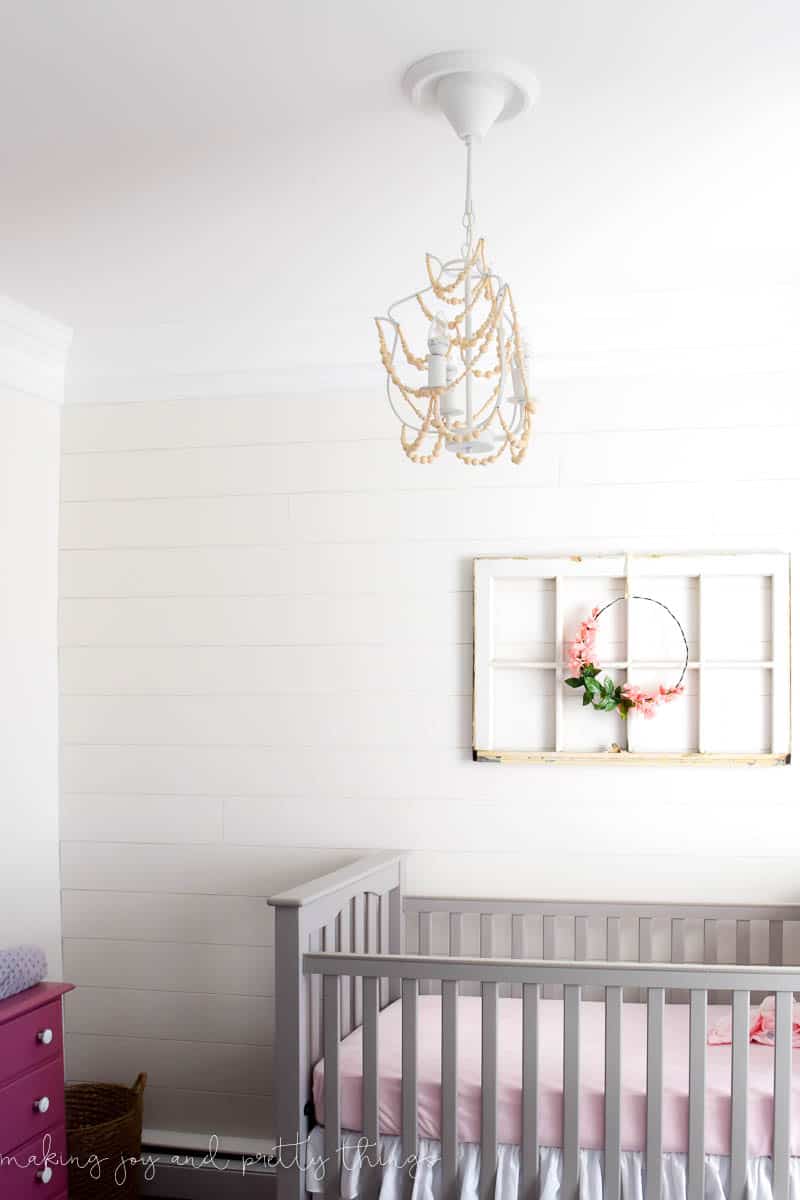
column 605, row 695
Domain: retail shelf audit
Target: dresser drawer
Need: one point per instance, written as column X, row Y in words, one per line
column 30, row 1040
column 31, row 1104
column 37, row 1170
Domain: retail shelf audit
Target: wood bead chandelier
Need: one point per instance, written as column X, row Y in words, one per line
column 470, row 394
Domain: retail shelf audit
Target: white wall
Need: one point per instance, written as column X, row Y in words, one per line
column 32, row 354
column 266, row 659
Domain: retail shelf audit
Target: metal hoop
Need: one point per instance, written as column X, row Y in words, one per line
column 661, row 604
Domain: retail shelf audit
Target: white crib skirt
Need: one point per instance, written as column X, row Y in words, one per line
column 427, row 1172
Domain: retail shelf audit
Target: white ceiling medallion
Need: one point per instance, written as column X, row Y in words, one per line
column 471, row 393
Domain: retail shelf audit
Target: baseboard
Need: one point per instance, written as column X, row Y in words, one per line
column 178, row 1175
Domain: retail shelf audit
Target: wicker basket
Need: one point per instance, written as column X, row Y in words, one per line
column 104, row 1122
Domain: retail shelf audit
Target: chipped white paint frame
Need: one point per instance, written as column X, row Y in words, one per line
column 708, row 575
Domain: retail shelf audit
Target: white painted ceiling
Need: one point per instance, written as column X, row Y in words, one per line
column 165, row 160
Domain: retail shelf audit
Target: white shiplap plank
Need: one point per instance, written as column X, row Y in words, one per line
column 671, row 455
column 268, row 620
column 368, row 773
column 151, row 819
column 197, row 420
column 262, row 469
column 263, row 669
column 168, row 966
column 615, row 877
column 207, row 870
column 319, row 719
column 214, row 920
column 223, row 1067
column 654, row 509
column 312, row 568
column 575, row 402
column 172, row 1016
column 232, row 520
column 266, row 570
column 494, row 822
column 628, row 457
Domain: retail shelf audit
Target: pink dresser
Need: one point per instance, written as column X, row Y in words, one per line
column 32, row 1135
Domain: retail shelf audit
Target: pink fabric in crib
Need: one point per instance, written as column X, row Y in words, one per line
column 634, row 1050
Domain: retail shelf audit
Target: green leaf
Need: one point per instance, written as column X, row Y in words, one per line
column 574, row 682
column 591, row 685
column 608, row 685
column 587, row 699
column 609, row 705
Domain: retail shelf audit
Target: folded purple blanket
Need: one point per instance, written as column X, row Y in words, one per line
column 21, row 967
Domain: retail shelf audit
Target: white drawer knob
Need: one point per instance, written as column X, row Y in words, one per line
column 42, row 1105
column 45, row 1036
column 45, row 1175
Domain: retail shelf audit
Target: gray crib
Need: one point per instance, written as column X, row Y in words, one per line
column 342, row 947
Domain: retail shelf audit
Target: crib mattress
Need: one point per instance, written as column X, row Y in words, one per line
column 592, row 1051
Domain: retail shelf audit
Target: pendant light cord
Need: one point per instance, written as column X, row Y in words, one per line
column 469, row 212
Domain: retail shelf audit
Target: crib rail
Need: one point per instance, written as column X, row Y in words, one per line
column 532, row 976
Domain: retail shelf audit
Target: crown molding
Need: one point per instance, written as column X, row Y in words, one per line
column 33, row 352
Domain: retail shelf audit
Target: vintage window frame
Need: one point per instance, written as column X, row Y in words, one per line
column 630, row 567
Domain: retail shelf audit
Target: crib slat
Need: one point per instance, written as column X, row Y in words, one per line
column 358, row 948
column 581, row 938
column 572, row 1011
column 488, row 1091
column 449, row 1114
column 655, row 1090
column 409, row 1082
column 709, row 941
column 612, row 939
column 425, row 929
column 548, row 950
column 369, row 1041
column 517, row 946
column 315, row 1001
column 487, row 935
column 677, row 954
column 333, row 1017
column 456, row 934
column 388, row 989
column 372, row 923
column 395, row 939
column 710, row 953
column 776, row 943
column 783, row 1096
column 645, row 947
column 345, row 922
column 529, row 1172
column 697, row 1094
column 645, row 939
column 612, row 1181
column 743, row 943
column 677, row 940
column 740, row 1048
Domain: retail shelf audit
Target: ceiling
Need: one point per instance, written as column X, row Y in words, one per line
column 173, row 160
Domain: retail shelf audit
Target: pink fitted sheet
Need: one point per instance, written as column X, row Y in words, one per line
column 634, row 1074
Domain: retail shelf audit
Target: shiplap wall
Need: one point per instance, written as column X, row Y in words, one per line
column 32, row 355
column 266, row 668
